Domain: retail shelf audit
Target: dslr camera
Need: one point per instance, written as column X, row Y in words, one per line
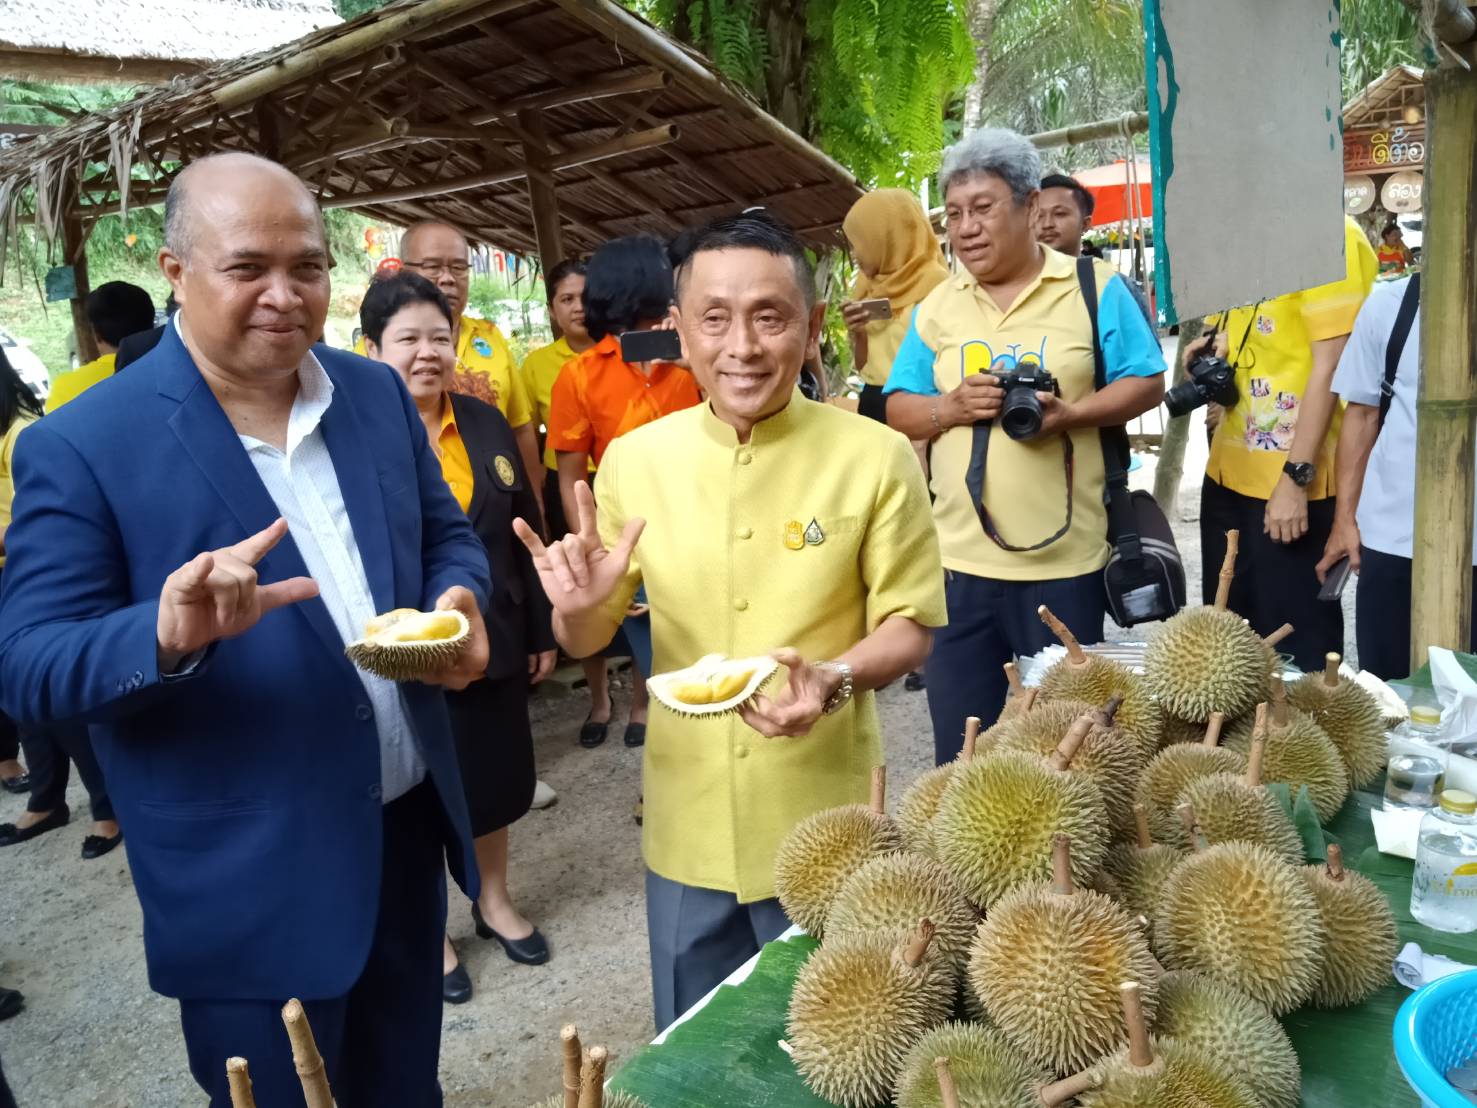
column 1020, row 412
column 1207, row 378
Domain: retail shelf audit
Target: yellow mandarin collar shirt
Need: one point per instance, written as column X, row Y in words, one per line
column 456, row 464
column 728, row 568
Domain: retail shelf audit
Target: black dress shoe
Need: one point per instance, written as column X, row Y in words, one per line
column 635, row 734
column 532, row 951
column 456, row 986
column 21, row 783
column 95, row 846
column 11, row 1002
column 914, row 682
column 10, row 834
column 592, row 734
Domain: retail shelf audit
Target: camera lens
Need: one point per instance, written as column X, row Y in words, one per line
column 1020, row 415
column 1185, row 398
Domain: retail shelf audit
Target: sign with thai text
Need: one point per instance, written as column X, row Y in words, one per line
column 1376, row 148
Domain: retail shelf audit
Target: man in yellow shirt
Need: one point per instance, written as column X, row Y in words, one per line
column 787, row 526
column 114, row 311
column 1271, row 473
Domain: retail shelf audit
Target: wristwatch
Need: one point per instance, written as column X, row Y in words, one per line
column 837, row 700
column 1302, row 473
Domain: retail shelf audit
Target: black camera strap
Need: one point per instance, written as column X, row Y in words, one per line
column 974, row 480
column 1122, row 528
column 1410, row 302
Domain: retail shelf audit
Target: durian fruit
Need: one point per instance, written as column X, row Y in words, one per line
column 1171, row 770
column 1016, row 700
column 818, row 855
column 1221, row 1023
column 1207, row 659
column 1241, row 915
column 1080, row 676
column 1152, row 1073
column 1110, row 758
column 1349, row 715
column 1140, row 868
column 712, row 685
column 1361, row 940
column 1177, row 730
column 858, row 1005
column 1046, row 964
column 1232, row 808
column 1299, row 753
column 984, row 1069
column 916, row 810
column 889, row 894
column 405, row 645
column 995, row 823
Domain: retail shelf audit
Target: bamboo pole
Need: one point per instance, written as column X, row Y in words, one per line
column 1441, row 585
column 582, row 94
column 1452, row 20
column 1137, row 123
column 543, row 197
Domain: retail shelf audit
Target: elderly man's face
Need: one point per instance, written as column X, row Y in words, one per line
column 991, row 232
column 252, row 282
column 439, row 254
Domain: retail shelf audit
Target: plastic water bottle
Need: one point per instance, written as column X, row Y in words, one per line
column 1415, row 773
column 1443, row 894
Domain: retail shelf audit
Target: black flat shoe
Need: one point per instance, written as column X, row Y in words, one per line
column 592, row 734
column 10, row 834
column 635, row 734
column 914, row 682
column 18, row 784
column 531, row 951
column 456, row 986
column 95, row 846
column 11, row 1002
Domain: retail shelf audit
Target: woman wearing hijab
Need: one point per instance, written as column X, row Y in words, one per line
column 900, row 262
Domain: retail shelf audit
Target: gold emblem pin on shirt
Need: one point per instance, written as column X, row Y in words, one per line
column 504, row 467
column 814, row 536
column 794, row 535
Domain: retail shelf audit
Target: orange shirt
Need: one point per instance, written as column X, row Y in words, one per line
column 599, row 397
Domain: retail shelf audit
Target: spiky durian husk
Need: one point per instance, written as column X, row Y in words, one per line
column 1047, row 968
column 1170, row 771
column 1352, row 720
column 1241, row 915
column 1300, row 754
column 1047, row 717
column 856, row 1009
column 613, row 1099
column 1229, row 810
column 748, row 676
column 1108, row 757
column 1361, row 938
column 1180, row 1077
column 1205, row 660
column 916, row 810
column 1140, row 874
column 1100, row 680
column 821, row 852
column 987, row 1070
column 892, row 893
column 407, row 661
column 996, row 821
column 1204, row 1015
column 1177, row 731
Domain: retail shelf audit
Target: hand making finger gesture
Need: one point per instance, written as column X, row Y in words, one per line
column 577, row 571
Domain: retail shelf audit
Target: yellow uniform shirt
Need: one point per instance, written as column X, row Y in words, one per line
column 73, row 384
column 484, row 369
column 1270, row 345
column 539, row 372
column 7, row 476
column 456, row 464
column 883, row 340
column 726, row 571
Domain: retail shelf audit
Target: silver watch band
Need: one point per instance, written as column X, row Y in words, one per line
column 838, row 699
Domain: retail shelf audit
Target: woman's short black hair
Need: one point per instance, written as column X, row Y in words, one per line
column 753, row 229
column 569, row 267
column 629, row 280
column 388, row 294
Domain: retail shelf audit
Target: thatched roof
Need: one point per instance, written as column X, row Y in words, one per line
column 449, row 109
column 137, row 39
column 1385, row 99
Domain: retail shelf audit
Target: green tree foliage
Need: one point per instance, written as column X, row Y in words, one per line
column 348, row 9
column 1378, row 34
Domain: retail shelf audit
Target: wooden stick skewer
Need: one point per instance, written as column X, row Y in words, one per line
column 1061, row 757
column 592, row 1078
column 1076, row 656
column 1213, row 729
column 1140, row 1049
column 569, row 1038
column 1061, row 865
column 879, row 790
column 1228, row 570
column 1331, row 669
column 238, row 1077
column 1141, row 827
column 1258, row 748
column 948, row 1091
column 305, row 1056
column 1272, row 640
column 971, row 737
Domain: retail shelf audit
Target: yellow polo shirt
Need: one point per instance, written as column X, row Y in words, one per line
column 721, row 579
column 539, row 372
column 7, row 475
column 883, row 339
column 484, row 369
column 72, row 384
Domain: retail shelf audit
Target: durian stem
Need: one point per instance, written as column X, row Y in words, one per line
column 1059, row 1092
column 1075, row 654
column 948, row 1092
column 1061, row 865
column 1258, row 748
column 1228, row 569
column 1272, row 640
column 1331, row 669
column 1279, row 701
column 1013, row 678
column 971, row 736
column 592, row 1078
column 879, row 790
column 238, row 1077
column 569, row 1039
column 1140, row 1050
column 1141, row 826
column 1213, row 729
column 1029, row 700
column 1061, row 757
column 305, row 1056
column 1335, row 862
column 917, row 947
column 1192, row 829
column 1105, row 714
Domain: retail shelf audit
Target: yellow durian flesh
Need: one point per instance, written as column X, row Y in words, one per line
column 712, row 685
column 425, row 627
column 406, row 645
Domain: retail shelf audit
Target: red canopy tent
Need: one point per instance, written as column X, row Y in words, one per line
column 1111, row 192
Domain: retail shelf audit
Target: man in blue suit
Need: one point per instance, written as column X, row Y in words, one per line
column 193, row 543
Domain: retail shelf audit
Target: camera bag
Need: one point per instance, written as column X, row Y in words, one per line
column 1145, row 577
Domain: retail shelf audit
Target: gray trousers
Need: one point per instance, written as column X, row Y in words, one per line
column 698, row 937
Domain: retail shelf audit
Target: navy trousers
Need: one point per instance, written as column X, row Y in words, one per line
column 1382, row 613
column 50, row 752
column 381, row 1041
column 698, row 937
column 992, row 622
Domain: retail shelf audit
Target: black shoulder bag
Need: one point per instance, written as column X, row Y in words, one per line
column 1409, row 304
column 1145, row 577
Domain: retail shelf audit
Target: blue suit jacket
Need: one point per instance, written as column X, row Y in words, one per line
column 249, row 791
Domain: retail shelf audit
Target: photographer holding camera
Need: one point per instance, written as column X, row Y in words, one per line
column 1007, row 346
column 1271, row 472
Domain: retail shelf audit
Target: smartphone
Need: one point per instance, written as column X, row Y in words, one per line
column 1335, row 581
column 878, row 308
column 651, row 346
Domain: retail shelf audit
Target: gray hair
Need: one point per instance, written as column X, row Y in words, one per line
column 1003, row 153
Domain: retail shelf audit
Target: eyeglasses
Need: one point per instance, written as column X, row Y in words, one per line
column 434, row 267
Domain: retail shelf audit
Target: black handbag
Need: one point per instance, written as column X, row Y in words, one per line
column 1145, row 577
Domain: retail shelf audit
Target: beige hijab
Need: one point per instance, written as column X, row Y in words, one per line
column 889, row 232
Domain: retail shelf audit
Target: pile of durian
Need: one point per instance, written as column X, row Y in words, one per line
column 1099, row 902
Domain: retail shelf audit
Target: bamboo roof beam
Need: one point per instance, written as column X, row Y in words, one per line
column 1454, row 22
column 650, row 81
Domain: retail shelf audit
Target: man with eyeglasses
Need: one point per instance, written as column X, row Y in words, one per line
column 484, row 364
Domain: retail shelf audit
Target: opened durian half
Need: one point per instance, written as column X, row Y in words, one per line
column 712, row 685
column 404, row 645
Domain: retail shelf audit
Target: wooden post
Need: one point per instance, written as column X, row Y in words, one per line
column 74, row 254
column 543, row 200
column 1441, row 589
